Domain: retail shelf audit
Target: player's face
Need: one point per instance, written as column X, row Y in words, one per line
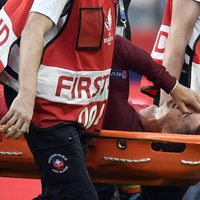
column 169, row 119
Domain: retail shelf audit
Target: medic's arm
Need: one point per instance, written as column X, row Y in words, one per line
column 18, row 118
column 184, row 16
column 31, row 48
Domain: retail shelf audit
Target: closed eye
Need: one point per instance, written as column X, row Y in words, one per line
column 174, row 105
column 171, row 104
column 186, row 115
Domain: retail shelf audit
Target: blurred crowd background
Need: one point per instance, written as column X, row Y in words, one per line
column 145, row 17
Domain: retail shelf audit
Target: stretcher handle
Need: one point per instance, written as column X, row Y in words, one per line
column 149, row 136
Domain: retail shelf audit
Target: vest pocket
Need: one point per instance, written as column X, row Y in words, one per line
column 90, row 31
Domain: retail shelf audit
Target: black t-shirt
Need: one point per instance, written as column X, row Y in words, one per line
column 2, row 2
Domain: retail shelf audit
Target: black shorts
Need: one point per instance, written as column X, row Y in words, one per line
column 60, row 157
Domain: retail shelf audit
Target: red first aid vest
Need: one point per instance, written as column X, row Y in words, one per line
column 73, row 77
column 192, row 54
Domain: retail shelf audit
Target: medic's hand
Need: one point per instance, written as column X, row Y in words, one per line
column 17, row 120
column 184, row 97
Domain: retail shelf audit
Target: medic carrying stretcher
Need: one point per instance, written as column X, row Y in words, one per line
column 121, row 157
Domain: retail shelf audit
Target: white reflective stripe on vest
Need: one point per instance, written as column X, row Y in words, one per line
column 72, row 87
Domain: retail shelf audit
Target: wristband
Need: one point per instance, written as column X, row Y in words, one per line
column 174, row 87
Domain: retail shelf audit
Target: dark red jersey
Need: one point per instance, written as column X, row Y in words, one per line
column 120, row 115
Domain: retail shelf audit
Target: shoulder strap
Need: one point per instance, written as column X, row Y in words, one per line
column 67, row 8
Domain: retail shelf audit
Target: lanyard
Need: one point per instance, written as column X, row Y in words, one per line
column 122, row 13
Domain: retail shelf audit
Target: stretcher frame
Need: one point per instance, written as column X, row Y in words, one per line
column 119, row 157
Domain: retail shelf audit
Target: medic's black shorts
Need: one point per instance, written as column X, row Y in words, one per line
column 61, row 161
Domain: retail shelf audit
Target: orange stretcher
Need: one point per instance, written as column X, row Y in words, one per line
column 120, row 157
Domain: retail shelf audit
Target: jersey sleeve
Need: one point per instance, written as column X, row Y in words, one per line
column 139, row 61
column 50, row 8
